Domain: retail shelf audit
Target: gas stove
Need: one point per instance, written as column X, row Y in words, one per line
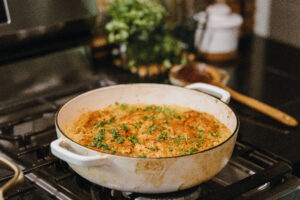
column 32, row 90
column 48, row 56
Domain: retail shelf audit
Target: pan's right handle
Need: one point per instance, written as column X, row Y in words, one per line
column 212, row 90
column 61, row 151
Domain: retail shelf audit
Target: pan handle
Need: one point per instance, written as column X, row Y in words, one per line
column 60, row 149
column 17, row 178
column 222, row 94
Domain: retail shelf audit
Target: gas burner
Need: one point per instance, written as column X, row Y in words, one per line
column 188, row 194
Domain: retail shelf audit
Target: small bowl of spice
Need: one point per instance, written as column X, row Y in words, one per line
column 193, row 72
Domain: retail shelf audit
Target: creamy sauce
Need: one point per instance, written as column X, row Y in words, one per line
column 147, row 130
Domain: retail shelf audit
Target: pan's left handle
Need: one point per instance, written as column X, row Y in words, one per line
column 60, row 150
column 222, row 94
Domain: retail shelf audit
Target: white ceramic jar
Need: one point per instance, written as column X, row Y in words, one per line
column 216, row 36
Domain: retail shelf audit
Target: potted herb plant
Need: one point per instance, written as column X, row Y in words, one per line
column 140, row 29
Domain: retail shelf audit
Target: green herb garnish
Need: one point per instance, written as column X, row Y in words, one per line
column 110, row 121
column 100, row 124
column 114, row 133
column 163, row 136
column 215, row 134
column 137, row 125
column 151, row 117
column 199, row 134
column 123, row 106
column 121, row 139
column 152, row 129
column 182, row 152
column 113, row 152
column 193, row 150
column 142, row 156
column 158, row 109
column 148, row 108
column 145, row 117
column 133, row 139
column 105, row 147
column 102, row 131
column 152, row 149
column 124, row 126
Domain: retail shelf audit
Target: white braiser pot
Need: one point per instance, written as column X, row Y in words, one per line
column 146, row 175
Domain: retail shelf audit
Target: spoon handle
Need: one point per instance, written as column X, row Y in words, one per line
column 261, row 107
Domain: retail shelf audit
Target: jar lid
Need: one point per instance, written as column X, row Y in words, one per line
column 218, row 9
column 219, row 16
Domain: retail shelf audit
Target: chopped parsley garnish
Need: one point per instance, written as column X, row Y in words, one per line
column 86, row 144
column 101, row 137
column 193, row 150
column 176, row 116
column 124, row 126
column 163, row 136
column 102, row 131
column 166, row 121
column 178, row 140
column 170, row 150
column 114, row 133
column 105, row 147
column 214, row 134
column 113, row 152
column 148, row 108
column 145, row 117
column 110, row 121
column 100, row 124
column 168, row 111
column 137, row 125
column 143, row 156
column 133, row 139
column 131, row 111
column 93, row 144
column 199, row 134
column 134, row 125
column 152, row 129
column 151, row 117
column 121, row 139
column 123, row 106
column 186, row 137
column 98, row 139
column 182, row 152
column 152, row 149
column 158, row 109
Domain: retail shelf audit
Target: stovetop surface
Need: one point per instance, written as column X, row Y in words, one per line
column 36, row 86
column 264, row 69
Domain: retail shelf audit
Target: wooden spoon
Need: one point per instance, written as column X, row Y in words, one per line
column 260, row 106
column 197, row 72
